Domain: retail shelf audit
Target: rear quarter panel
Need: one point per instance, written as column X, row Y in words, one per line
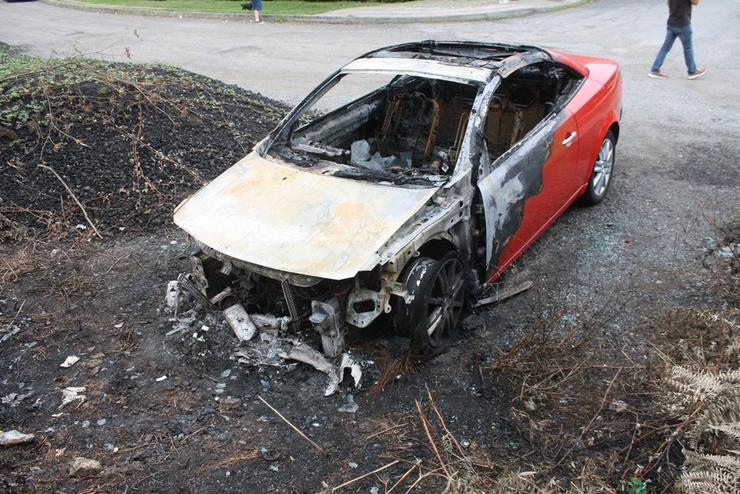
column 597, row 107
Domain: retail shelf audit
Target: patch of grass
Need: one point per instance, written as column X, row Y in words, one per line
column 13, row 61
column 289, row 7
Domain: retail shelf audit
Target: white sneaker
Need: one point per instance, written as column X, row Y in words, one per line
column 700, row 72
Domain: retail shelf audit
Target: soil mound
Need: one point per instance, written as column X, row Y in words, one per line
column 126, row 141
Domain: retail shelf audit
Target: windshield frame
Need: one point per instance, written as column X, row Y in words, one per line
column 283, row 132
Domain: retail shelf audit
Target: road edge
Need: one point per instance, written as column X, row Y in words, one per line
column 316, row 19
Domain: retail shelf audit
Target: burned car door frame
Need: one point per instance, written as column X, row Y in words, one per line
column 527, row 187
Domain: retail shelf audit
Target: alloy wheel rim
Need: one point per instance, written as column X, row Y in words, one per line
column 603, row 168
column 445, row 304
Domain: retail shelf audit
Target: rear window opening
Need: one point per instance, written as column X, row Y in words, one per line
column 412, row 127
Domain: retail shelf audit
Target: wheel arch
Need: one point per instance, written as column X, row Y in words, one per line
column 614, row 128
column 609, row 124
column 437, row 248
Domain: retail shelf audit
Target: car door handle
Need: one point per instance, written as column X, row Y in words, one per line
column 569, row 139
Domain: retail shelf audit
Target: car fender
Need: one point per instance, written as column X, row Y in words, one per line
column 611, row 116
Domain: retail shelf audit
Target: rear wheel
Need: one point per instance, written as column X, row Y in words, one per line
column 601, row 176
column 432, row 318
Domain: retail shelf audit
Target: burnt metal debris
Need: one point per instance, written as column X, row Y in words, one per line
column 316, row 227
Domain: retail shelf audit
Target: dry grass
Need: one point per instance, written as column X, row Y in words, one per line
column 14, row 263
column 392, row 368
column 590, row 418
column 231, row 460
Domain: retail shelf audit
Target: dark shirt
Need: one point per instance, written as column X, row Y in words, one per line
column 680, row 15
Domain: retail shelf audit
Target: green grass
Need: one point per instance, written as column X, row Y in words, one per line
column 294, row 7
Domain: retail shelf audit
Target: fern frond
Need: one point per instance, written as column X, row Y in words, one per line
column 731, row 429
column 719, row 413
column 696, row 385
column 733, row 349
column 516, row 483
column 730, row 377
column 712, row 484
column 708, row 462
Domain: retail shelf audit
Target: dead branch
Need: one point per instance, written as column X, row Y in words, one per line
column 374, row 434
column 17, row 313
column 74, row 197
column 585, row 429
column 300, row 433
column 425, row 424
column 403, row 477
column 385, row 467
column 422, row 477
column 196, row 176
column 54, row 126
column 231, row 460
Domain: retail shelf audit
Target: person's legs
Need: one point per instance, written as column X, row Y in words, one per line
column 670, row 38
column 688, row 48
column 257, row 5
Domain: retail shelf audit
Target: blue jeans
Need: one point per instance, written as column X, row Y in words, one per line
column 688, row 49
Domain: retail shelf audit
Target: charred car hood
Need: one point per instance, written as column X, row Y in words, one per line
column 276, row 216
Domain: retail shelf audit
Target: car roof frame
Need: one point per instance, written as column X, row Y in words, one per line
column 526, row 55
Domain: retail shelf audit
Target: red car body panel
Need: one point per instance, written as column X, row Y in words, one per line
column 594, row 109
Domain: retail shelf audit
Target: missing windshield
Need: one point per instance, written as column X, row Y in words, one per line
column 409, row 128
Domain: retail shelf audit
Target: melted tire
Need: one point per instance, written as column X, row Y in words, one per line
column 432, row 318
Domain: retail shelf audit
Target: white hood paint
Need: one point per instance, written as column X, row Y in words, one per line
column 274, row 215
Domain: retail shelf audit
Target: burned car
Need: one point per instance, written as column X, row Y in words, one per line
column 408, row 191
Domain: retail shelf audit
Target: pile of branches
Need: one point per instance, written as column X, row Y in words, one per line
column 106, row 147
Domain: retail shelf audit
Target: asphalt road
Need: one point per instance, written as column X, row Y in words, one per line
column 678, row 153
column 284, row 61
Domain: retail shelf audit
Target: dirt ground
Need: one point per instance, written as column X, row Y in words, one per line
column 528, row 387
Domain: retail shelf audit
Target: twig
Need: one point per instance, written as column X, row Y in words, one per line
column 364, row 475
column 74, row 197
column 384, row 431
column 319, row 448
column 429, row 437
column 408, row 472
column 115, row 262
column 603, row 401
column 443, row 424
column 232, row 460
column 192, row 434
column 196, row 176
column 55, row 127
column 422, row 477
column 585, row 429
column 17, row 313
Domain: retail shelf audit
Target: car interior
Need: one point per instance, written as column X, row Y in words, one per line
column 415, row 126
